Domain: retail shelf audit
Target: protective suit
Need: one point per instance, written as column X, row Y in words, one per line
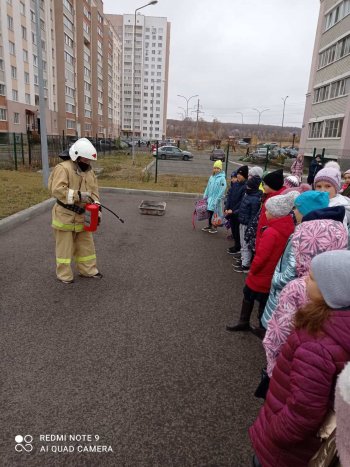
column 73, row 183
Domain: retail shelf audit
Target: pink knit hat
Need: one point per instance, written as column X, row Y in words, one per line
column 330, row 175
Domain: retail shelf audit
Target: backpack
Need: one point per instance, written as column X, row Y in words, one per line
column 200, row 212
column 250, row 233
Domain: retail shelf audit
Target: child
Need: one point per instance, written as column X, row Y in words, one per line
column 302, row 383
column 273, row 240
column 273, row 185
column 249, row 207
column 328, row 179
column 309, row 239
column 285, row 270
column 345, row 189
column 342, row 410
column 297, row 167
column 214, row 193
column 232, row 206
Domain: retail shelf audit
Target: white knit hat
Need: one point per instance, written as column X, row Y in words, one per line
column 291, row 181
column 281, row 205
column 256, row 171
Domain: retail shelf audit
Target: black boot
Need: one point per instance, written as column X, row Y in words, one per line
column 243, row 323
column 260, row 331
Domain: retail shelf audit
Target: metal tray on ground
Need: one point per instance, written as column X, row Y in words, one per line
column 153, row 208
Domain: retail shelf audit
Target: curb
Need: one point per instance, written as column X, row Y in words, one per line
column 22, row 216
column 166, row 194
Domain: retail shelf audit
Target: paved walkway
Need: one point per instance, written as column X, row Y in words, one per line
column 140, row 359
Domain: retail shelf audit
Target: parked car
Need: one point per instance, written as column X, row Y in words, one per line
column 241, row 142
column 217, row 155
column 260, row 153
column 172, row 152
column 107, row 144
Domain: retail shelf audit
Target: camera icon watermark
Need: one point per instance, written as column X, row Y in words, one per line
column 24, row 443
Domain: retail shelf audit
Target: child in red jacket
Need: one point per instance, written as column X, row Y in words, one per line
column 273, row 238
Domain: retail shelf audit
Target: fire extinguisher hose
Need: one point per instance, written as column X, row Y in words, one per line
column 114, row 214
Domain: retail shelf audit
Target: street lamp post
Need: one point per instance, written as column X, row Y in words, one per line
column 187, row 101
column 284, row 106
column 153, row 2
column 260, row 112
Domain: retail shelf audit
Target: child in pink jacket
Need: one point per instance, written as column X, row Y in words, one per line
column 309, row 239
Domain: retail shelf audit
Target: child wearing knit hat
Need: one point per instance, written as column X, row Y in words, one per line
column 328, row 179
column 248, row 209
column 214, row 193
column 345, row 189
column 291, row 181
column 232, row 205
column 273, row 240
column 301, row 389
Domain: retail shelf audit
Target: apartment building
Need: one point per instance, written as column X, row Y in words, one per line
column 145, row 71
column 81, row 66
column 326, row 121
column 19, row 92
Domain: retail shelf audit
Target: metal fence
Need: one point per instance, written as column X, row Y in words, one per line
column 24, row 149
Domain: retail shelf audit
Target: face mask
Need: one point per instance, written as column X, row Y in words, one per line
column 83, row 166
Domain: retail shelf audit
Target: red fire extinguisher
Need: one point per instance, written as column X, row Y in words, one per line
column 91, row 217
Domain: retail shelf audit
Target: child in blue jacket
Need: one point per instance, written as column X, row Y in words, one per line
column 214, row 194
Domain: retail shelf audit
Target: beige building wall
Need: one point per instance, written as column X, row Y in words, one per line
column 82, row 55
column 19, row 93
column 327, row 101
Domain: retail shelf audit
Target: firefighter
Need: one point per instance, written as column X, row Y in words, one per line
column 73, row 183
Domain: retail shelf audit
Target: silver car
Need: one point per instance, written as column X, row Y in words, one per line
column 172, row 152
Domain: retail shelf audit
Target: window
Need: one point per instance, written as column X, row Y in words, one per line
column 68, row 5
column 67, row 23
column 315, row 129
column 14, row 95
column 3, row 114
column 68, row 40
column 25, row 55
column 24, row 33
column 12, row 48
column 32, row 16
column 333, row 128
column 68, row 58
column 27, row 98
column 22, row 8
column 2, row 90
column 70, row 124
column 13, row 72
column 70, row 108
column 10, row 22
column 26, row 77
column 16, row 118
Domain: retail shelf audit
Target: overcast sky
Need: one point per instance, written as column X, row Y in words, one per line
column 237, row 55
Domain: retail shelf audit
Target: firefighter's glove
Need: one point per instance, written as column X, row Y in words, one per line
column 84, row 196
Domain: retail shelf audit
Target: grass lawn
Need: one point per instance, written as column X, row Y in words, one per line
column 23, row 188
column 20, row 190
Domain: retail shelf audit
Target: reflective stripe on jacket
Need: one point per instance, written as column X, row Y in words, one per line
column 64, row 183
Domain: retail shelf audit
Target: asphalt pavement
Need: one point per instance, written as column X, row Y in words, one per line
column 139, row 363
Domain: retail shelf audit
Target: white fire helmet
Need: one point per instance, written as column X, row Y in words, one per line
column 82, row 148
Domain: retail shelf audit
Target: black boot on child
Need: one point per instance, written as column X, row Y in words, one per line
column 243, row 323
